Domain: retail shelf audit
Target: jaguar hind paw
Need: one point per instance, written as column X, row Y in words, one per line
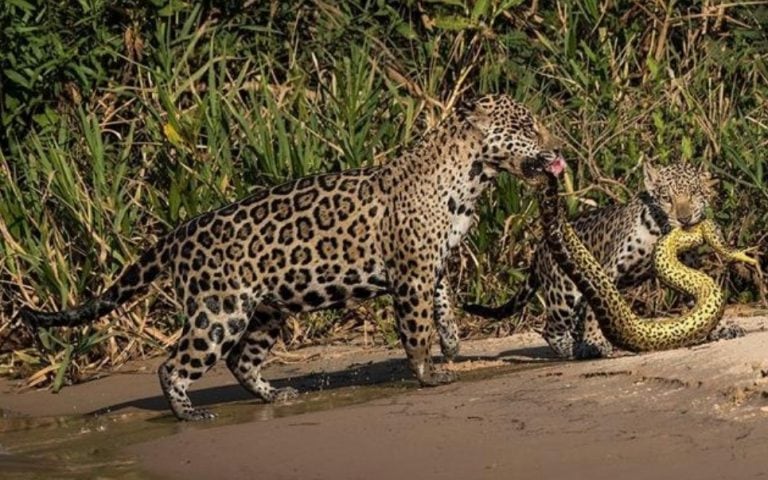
column 438, row 377
column 281, row 395
column 196, row 415
column 727, row 331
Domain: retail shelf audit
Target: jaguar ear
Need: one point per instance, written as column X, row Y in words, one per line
column 476, row 113
column 706, row 178
column 650, row 177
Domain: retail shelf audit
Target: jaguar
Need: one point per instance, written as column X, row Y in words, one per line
column 329, row 241
column 622, row 237
column 615, row 317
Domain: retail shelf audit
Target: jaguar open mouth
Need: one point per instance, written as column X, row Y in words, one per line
column 541, row 163
column 557, row 165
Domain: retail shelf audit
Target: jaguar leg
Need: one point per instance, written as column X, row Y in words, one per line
column 414, row 301
column 592, row 343
column 557, row 332
column 561, row 330
column 212, row 329
column 445, row 320
column 246, row 359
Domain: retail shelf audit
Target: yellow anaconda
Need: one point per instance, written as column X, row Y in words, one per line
column 620, row 325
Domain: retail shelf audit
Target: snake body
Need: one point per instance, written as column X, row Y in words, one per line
column 620, row 325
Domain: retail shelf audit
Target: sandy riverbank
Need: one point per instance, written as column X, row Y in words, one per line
column 517, row 413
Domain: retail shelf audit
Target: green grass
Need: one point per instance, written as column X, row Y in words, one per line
column 121, row 119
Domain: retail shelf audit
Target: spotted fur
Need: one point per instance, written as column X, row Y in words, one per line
column 616, row 319
column 329, row 241
column 622, row 237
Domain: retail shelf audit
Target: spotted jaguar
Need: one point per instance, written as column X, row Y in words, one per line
column 328, row 241
column 622, row 238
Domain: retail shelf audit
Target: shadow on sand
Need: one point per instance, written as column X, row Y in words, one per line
column 371, row 373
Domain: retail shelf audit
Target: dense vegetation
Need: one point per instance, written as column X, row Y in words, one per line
column 123, row 118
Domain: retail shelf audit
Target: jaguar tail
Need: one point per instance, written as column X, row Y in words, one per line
column 513, row 306
column 135, row 279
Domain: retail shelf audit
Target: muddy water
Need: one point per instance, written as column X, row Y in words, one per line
column 73, row 447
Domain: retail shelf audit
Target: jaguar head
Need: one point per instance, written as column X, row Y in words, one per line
column 682, row 190
column 513, row 140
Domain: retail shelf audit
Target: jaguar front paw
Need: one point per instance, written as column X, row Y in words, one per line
column 438, row 377
column 589, row 351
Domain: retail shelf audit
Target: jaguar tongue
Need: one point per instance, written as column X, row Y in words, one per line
column 556, row 166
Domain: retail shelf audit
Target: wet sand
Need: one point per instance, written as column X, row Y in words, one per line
column 517, row 413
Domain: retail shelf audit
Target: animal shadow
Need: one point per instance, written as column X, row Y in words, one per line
column 390, row 371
